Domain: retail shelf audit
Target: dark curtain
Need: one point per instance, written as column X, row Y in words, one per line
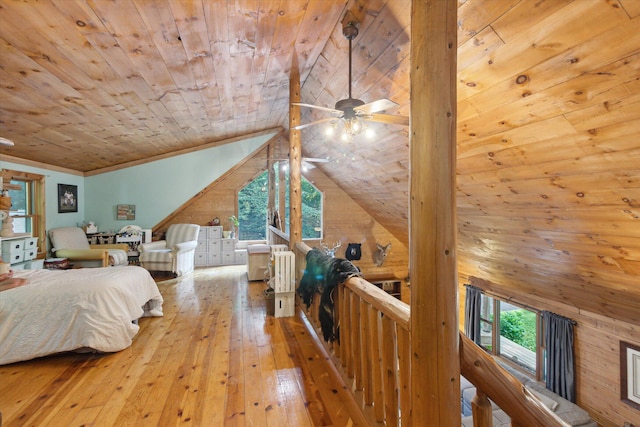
column 560, row 361
column 472, row 305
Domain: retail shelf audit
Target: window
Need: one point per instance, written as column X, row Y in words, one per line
column 27, row 203
column 252, row 209
column 312, row 202
column 511, row 333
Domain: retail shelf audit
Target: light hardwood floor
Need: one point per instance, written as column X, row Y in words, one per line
column 214, row 359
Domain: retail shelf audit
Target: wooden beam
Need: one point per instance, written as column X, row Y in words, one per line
column 271, row 174
column 295, row 158
column 435, row 364
column 201, row 147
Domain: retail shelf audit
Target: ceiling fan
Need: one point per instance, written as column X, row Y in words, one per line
column 307, row 162
column 354, row 111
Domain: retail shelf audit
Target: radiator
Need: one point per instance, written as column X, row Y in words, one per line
column 284, row 266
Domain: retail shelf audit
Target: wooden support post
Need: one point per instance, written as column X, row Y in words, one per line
column 295, row 159
column 435, row 361
column 271, row 174
column 282, row 194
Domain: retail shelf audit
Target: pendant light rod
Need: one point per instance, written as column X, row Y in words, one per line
column 349, row 68
column 350, row 31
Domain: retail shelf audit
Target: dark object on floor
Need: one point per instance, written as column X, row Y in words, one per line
column 322, row 274
column 162, row 275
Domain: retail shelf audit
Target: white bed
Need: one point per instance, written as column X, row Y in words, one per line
column 64, row 310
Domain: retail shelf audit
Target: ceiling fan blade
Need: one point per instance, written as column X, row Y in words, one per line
column 306, row 125
column 375, row 106
column 315, row 160
column 330, row 110
column 308, row 165
column 388, row 119
column 5, row 141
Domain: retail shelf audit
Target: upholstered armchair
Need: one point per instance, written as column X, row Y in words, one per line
column 71, row 243
column 175, row 254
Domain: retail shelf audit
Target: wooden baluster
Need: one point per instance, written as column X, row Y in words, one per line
column 314, row 309
column 404, row 362
column 356, row 342
column 376, row 358
column 365, row 338
column 347, row 332
column 389, row 370
column 344, row 323
column 481, row 410
column 336, row 319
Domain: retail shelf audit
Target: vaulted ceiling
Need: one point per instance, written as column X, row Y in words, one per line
column 548, row 113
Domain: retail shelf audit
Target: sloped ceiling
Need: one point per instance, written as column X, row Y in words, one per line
column 548, row 114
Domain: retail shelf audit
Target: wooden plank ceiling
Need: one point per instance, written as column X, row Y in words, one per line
column 548, row 114
column 91, row 84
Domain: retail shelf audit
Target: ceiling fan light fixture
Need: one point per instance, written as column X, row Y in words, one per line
column 369, row 133
column 352, row 127
column 331, row 129
column 356, row 126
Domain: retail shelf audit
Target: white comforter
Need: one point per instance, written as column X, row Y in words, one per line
column 75, row 309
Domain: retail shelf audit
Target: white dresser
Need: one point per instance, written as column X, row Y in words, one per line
column 214, row 250
column 20, row 251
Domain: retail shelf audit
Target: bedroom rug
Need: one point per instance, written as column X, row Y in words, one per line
column 162, row 276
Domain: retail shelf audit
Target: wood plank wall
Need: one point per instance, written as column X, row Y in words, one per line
column 347, row 221
column 597, row 350
column 219, row 199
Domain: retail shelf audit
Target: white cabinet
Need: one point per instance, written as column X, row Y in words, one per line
column 214, row 250
column 21, row 251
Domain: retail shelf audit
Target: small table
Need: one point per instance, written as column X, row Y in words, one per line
column 101, row 238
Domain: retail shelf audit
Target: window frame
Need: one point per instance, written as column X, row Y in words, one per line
column 284, row 217
column 36, row 196
column 238, row 201
column 495, row 351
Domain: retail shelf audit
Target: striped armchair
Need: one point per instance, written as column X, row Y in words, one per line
column 175, row 254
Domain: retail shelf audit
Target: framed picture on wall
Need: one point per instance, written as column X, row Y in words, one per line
column 67, row 198
column 630, row 374
column 126, row 212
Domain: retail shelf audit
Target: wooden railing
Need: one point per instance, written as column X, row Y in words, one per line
column 495, row 383
column 373, row 354
column 277, row 237
column 374, row 349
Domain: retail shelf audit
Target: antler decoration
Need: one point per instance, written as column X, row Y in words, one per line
column 331, row 251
